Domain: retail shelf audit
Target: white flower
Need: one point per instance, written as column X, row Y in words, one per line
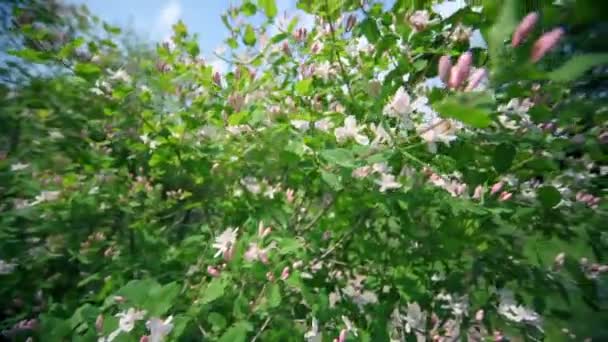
column 350, row 130
column 324, row 124
column 400, row 104
column 270, row 191
column 313, row 335
column 349, row 325
column 55, row 135
column 127, row 319
column 19, row 166
column 380, row 167
column 46, row 196
column 300, row 125
column 252, row 185
column 387, row 182
column 443, row 131
column 362, row 172
column 6, row 267
column 159, row 329
column 517, row 106
column 420, row 19
column 238, row 129
column 459, row 307
column 224, row 241
column 382, row 135
column 120, row 75
column 415, row 319
column 323, row 70
column 517, row 313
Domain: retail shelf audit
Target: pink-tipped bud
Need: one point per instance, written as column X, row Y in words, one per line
column 496, row 187
column 269, row 276
column 460, row 72
column 476, row 79
column 444, row 67
column 264, row 257
column 212, row 271
column 524, row 28
column 478, row 192
column 342, row 336
column 285, row 48
column 217, row 79
column 144, row 338
column 546, row 43
column 285, row 273
column 290, row 195
column 505, row 196
column 300, row 34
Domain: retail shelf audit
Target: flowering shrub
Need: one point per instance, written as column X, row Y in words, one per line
column 390, row 173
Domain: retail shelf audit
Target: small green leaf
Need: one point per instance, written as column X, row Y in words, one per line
column 470, row 109
column 274, row 296
column 249, row 38
column 249, row 9
column 87, row 70
column 369, row 28
column 549, row 196
column 503, row 157
column 217, row 321
column 303, row 87
column 269, row 6
column 502, row 29
column 213, row 291
column 331, row 179
column 577, row 66
column 339, row 156
column 236, row 333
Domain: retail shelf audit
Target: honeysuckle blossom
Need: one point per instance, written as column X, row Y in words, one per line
column 6, row 267
column 324, row 124
column 46, row 196
column 349, row 325
column 323, row 70
column 441, row 130
column 314, row 335
column 509, row 308
column 387, row 182
column 350, row 130
column 238, row 129
column 381, row 135
column 461, row 33
column 415, row 320
column 120, row 75
column 419, row 19
column 255, row 253
column 381, row 167
column 478, row 192
column 400, row 104
column 252, row 185
column 225, row 241
column 458, row 305
column 19, row 166
column 300, row 125
column 56, row 135
column 127, row 319
column 496, row 187
column 159, row 329
column 362, row 172
column 213, row 271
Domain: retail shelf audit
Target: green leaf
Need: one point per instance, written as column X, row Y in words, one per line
column 303, row 87
column 269, row 6
column 237, row 332
column 369, row 28
column 331, row 179
column 213, row 291
column 87, row 70
column 274, row 296
column 217, row 321
column 577, row 66
column 503, row 157
column 339, row 156
column 249, row 38
column 161, row 298
column 471, row 109
column 502, row 29
column 249, row 9
column 549, row 196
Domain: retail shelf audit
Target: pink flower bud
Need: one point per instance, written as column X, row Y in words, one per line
column 285, row 48
column 144, row 338
column 217, row 79
column 505, row 196
column 496, row 187
column 476, row 78
column 212, row 271
column 264, row 257
column 478, row 192
column 444, row 68
column 269, row 276
column 461, row 70
column 545, row 43
column 290, row 195
column 342, row 336
column 119, row 299
column 524, row 28
column 285, row 273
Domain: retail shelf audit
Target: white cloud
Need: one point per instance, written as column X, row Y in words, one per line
column 168, row 16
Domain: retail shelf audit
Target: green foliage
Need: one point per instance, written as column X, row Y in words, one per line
column 327, row 184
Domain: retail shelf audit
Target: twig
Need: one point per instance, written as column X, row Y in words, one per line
column 262, row 329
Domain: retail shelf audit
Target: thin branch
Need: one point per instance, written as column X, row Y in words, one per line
column 262, row 329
